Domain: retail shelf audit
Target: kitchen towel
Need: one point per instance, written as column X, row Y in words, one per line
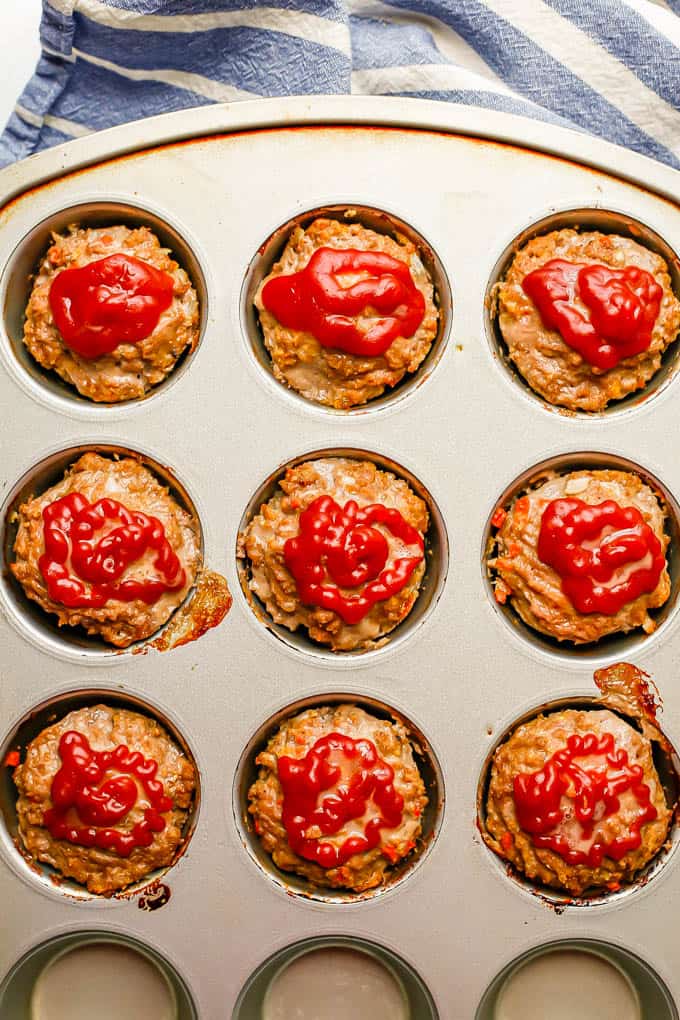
column 609, row 67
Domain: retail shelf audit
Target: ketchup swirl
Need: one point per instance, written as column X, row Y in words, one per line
column 623, row 305
column 342, row 543
column 315, row 301
column 115, row 300
column 606, row 555
column 355, row 776
column 93, row 790
column 81, row 572
column 593, row 794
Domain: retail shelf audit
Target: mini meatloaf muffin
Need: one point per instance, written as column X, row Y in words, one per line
column 575, row 801
column 586, row 316
column 107, row 549
column 583, row 555
column 339, row 798
column 339, row 549
column 104, row 796
column 110, row 312
column 346, row 312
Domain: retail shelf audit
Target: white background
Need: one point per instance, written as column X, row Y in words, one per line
column 19, row 24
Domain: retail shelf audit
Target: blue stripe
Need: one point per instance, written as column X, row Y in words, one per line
column 532, row 72
column 324, row 8
column 135, row 99
column 263, row 62
column 619, row 31
column 385, row 44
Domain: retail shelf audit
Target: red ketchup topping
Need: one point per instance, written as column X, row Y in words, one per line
column 315, row 301
column 606, row 555
column 594, row 793
column 355, row 775
column 623, row 305
column 340, row 542
column 83, row 572
column 111, row 301
column 93, row 790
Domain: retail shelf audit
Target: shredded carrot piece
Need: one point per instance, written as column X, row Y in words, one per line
column 522, row 505
column 390, row 853
column 499, row 517
column 513, row 550
column 501, row 592
column 507, row 840
column 12, row 759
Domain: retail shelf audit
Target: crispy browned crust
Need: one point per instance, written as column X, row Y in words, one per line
column 327, row 375
column 131, row 370
column 95, row 477
column 278, row 520
column 534, row 589
column 295, row 738
column 103, row 871
column 527, row 750
column 553, row 369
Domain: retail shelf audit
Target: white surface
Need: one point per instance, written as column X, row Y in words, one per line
column 223, row 428
column 19, row 28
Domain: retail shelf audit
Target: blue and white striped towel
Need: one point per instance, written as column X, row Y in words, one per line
column 611, row 67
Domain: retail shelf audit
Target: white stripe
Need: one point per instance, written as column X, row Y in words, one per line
column 214, row 90
column 68, row 57
column 449, row 43
column 594, row 66
column 420, row 78
column 67, row 127
column 274, row 19
column 662, row 19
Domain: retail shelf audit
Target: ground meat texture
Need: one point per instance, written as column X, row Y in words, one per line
column 132, row 369
column 104, row 872
column 127, row 481
column 327, row 375
column 263, row 542
column 527, row 750
column 553, row 369
column 294, row 739
column 533, row 589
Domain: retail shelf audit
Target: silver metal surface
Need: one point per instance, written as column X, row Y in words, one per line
column 470, row 182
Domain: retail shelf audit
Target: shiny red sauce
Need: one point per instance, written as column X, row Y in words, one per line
column 593, row 792
column 94, row 790
column 333, row 785
column 606, row 555
column 115, row 300
column 89, row 546
column 622, row 307
column 342, row 544
column 316, row 301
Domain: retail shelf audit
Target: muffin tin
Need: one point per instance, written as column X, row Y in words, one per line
column 215, row 183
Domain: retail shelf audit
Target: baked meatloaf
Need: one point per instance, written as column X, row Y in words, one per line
column 346, row 312
column 339, row 550
column 587, row 316
column 338, row 799
column 108, row 549
column 583, row 555
column 104, row 795
column 575, row 802
column 110, row 312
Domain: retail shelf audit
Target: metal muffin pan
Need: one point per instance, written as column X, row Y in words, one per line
column 468, row 181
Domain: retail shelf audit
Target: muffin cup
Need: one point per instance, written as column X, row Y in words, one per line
column 289, row 882
column 655, row 999
column 16, row 284
column 429, row 592
column 42, row 876
column 381, row 222
column 16, row 990
column 613, row 646
column 667, row 764
column 33, row 622
column 604, row 221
